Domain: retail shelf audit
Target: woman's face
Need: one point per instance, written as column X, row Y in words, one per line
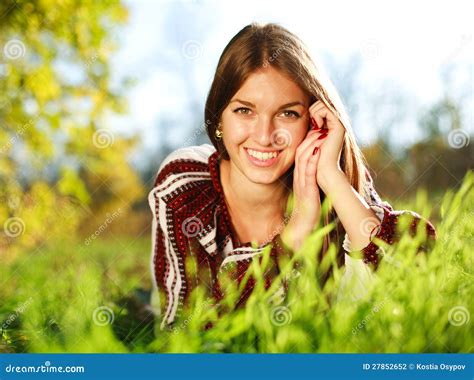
column 263, row 125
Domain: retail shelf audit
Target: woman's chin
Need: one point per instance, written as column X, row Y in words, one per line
column 263, row 177
column 262, row 173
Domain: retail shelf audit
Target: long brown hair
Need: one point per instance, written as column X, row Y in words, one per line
column 257, row 46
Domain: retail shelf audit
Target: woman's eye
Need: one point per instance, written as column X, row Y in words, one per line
column 243, row 110
column 292, row 114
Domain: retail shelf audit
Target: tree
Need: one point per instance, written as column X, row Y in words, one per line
column 55, row 95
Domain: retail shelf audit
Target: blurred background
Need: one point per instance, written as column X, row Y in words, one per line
column 93, row 96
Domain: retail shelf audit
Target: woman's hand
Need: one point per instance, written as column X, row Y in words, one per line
column 307, row 203
column 350, row 206
column 328, row 165
column 317, row 158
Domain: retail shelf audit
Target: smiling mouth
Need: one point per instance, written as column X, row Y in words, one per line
column 262, row 156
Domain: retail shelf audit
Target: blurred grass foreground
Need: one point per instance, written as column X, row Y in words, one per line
column 75, row 242
column 95, row 298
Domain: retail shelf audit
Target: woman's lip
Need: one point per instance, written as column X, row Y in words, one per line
column 264, row 151
column 260, row 163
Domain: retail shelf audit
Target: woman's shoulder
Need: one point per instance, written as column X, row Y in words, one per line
column 184, row 160
column 185, row 188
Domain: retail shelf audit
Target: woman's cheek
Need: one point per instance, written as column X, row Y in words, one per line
column 297, row 137
column 238, row 132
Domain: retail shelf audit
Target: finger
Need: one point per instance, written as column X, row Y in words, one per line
column 305, row 149
column 319, row 118
column 320, row 112
column 311, row 137
column 316, row 105
column 327, row 119
column 304, row 158
column 296, row 181
column 318, row 108
column 311, row 184
column 300, row 165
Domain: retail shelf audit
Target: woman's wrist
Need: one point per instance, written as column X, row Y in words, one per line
column 295, row 232
column 330, row 178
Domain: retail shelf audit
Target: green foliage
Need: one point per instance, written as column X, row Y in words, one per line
column 436, row 162
column 56, row 93
column 64, row 299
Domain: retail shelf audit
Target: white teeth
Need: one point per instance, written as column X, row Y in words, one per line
column 262, row 156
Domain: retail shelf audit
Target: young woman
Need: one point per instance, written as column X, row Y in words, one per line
column 277, row 127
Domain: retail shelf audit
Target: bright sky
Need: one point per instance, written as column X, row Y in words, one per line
column 171, row 48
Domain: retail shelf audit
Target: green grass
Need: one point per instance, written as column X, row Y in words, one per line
column 418, row 302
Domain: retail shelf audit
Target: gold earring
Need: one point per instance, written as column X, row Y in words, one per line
column 219, row 132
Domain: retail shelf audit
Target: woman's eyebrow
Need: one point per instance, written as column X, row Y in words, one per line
column 287, row 105
column 292, row 104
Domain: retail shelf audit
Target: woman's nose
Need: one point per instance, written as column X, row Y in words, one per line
column 263, row 131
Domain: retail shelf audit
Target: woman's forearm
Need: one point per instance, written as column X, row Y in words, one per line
column 357, row 218
column 296, row 231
